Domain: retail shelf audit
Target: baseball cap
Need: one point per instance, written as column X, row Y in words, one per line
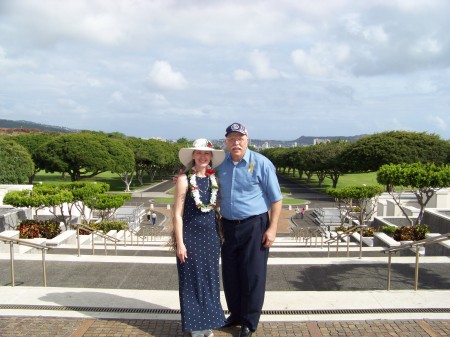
column 236, row 127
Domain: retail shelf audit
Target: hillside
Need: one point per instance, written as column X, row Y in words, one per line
column 30, row 126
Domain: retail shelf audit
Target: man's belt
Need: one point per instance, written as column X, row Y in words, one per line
column 238, row 222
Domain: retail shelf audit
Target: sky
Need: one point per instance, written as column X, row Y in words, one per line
column 190, row 68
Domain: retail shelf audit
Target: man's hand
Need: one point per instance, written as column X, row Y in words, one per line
column 268, row 238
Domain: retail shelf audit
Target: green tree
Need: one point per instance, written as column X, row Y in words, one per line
column 64, row 197
column 33, row 143
column 421, row 179
column 142, row 157
column 16, row 164
column 51, row 196
column 107, row 204
column 395, row 147
column 356, row 202
column 85, row 155
column 81, row 155
column 324, row 159
column 84, row 193
column 280, row 157
column 123, row 159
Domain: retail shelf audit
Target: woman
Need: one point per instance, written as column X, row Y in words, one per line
column 198, row 240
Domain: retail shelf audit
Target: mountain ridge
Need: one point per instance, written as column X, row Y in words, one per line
column 22, row 124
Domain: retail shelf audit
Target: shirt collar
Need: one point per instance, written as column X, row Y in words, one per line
column 245, row 158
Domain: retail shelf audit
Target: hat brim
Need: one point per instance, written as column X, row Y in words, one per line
column 185, row 155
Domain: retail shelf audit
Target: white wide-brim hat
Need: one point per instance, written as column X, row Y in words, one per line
column 185, row 154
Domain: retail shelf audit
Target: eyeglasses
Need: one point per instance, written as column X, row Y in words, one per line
column 236, row 139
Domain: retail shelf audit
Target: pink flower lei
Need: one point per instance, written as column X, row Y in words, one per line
column 196, row 193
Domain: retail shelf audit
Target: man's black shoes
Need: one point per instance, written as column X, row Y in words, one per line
column 245, row 331
column 230, row 321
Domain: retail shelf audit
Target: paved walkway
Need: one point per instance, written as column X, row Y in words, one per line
column 87, row 327
column 105, row 308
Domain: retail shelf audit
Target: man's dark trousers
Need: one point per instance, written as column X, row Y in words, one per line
column 244, row 268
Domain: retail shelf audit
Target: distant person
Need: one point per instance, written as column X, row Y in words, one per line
column 197, row 239
column 153, row 218
column 302, row 212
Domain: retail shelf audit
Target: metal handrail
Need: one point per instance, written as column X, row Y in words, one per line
column 417, row 245
column 136, row 233
column 307, row 234
column 344, row 234
column 13, row 241
column 95, row 232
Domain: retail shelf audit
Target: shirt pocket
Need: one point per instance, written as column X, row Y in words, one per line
column 251, row 183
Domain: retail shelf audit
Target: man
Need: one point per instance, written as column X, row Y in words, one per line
column 250, row 206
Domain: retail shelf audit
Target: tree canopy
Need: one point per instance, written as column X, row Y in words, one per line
column 421, row 179
column 16, row 164
column 84, row 155
column 395, row 147
column 356, row 202
column 33, row 143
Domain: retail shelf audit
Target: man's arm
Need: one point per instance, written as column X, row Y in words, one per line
column 271, row 232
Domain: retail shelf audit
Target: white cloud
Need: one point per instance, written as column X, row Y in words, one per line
column 117, row 96
column 242, row 75
column 426, row 46
column 262, row 67
column 165, row 77
column 439, row 122
column 297, row 66
column 8, row 64
column 307, row 64
column 322, row 60
column 159, row 100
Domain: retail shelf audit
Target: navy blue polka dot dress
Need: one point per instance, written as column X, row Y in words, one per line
column 198, row 276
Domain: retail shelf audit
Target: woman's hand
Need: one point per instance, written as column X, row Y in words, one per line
column 182, row 252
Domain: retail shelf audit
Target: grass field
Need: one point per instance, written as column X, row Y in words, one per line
column 116, row 184
column 355, row 179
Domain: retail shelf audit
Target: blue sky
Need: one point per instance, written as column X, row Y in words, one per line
column 189, row 68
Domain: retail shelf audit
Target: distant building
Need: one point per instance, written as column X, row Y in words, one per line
column 320, row 141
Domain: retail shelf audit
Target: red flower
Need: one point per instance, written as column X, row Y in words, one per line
column 210, row 171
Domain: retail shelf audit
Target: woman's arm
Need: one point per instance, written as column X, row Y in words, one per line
column 177, row 221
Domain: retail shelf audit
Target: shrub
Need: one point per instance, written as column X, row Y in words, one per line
column 368, row 232
column 388, row 230
column 49, row 229
column 105, row 226
column 341, row 228
column 411, row 233
column 30, row 229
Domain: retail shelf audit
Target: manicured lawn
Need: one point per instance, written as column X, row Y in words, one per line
column 116, row 184
column 356, row 179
